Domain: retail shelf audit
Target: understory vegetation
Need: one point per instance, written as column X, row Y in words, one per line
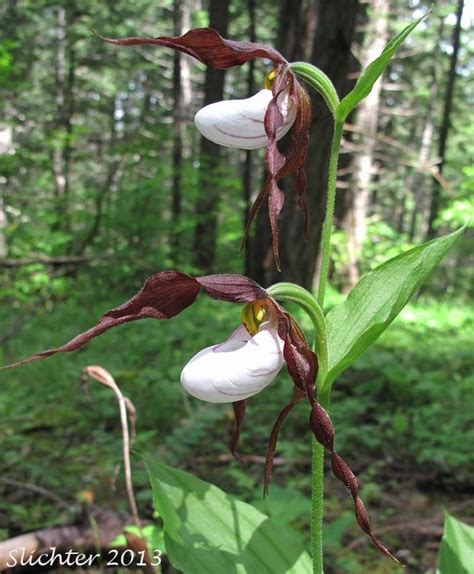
column 402, row 415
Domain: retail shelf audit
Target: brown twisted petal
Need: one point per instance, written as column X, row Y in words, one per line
column 277, row 164
column 301, row 362
column 240, row 408
column 323, row 430
column 302, row 365
column 270, row 454
column 209, row 47
column 163, row 296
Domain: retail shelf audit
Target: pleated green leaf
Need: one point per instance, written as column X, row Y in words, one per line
column 456, row 554
column 207, row 530
column 377, row 299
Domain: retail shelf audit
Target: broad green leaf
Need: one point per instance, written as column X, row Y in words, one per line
column 207, row 530
column 377, row 299
column 373, row 71
column 456, row 554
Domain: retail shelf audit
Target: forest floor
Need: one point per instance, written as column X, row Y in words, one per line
column 402, row 414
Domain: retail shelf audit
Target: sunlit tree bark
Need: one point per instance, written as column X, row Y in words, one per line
column 65, row 106
column 205, row 239
column 436, row 198
column 248, row 175
column 359, row 191
column 182, row 101
column 325, row 30
column 5, row 147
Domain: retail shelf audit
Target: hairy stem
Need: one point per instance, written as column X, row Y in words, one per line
column 328, row 220
column 317, row 465
column 317, row 497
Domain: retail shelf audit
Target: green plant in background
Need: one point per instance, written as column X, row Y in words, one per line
column 203, row 526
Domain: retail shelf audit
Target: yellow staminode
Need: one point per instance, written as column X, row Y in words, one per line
column 269, row 79
column 254, row 314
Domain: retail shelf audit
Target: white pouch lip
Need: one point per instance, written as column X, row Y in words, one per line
column 237, row 369
column 240, row 123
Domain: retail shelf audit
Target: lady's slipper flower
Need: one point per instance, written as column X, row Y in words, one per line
column 256, row 122
column 241, row 366
column 240, row 123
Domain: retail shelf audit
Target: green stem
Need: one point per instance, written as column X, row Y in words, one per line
column 296, row 294
column 317, row 464
column 291, row 293
column 317, row 497
column 330, row 202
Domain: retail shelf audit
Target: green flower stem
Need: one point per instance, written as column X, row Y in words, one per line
column 324, row 389
column 317, row 495
column 289, row 292
column 319, row 81
column 328, row 220
column 296, row 294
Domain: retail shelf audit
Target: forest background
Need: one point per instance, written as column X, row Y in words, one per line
column 104, row 180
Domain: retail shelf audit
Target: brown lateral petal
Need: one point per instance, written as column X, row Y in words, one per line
column 298, row 147
column 276, row 199
column 286, row 410
column 209, row 47
column 240, row 408
column 301, row 362
column 279, row 165
column 163, row 296
column 323, row 430
column 302, row 366
column 232, row 288
column 299, row 133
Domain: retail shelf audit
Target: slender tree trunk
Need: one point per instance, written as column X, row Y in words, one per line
column 247, row 177
column 110, row 184
column 3, row 226
column 6, row 147
column 329, row 48
column 419, row 182
column 205, row 240
column 182, row 101
column 65, row 80
column 436, row 198
column 354, row 222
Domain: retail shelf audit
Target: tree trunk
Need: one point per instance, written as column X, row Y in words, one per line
column 358, row 195
column 65, row 80
column 329, row 48
column 182, row 101
column 205, row 240
column 419, row 183
column 6, row 147
column 3, row 225
column 444, row 130
column 247, row 176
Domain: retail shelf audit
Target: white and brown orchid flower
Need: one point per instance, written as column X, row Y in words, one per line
column 242, row 366
column 260, row 121
column 241, row 123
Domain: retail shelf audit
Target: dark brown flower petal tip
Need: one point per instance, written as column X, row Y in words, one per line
column 207, row 46
column 163, row 296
